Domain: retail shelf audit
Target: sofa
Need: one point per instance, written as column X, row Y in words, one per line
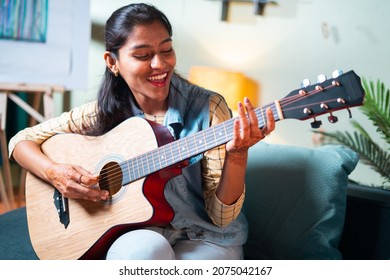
column 296, row 205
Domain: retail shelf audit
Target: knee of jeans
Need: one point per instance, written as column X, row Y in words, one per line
column 141, row 245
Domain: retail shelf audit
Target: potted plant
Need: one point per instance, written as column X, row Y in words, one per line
column 377, row 108
column 367, row 224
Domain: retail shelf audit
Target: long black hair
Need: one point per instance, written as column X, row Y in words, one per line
column 114, row 95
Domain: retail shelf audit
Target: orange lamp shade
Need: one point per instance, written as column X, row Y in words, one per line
column 233, row 86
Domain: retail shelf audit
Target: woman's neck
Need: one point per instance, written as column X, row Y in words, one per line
column 154, row 107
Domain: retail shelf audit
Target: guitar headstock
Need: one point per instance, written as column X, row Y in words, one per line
column 342, row 91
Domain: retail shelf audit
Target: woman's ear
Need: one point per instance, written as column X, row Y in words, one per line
column 111, row 62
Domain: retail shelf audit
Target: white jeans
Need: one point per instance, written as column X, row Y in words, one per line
column 162, row 244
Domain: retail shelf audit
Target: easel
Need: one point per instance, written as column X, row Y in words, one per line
column 8, row 90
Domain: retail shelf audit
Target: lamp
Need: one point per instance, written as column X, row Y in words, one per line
column 233, row 86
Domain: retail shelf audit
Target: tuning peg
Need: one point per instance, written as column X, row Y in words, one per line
column 315, row 123
column 341, row 100
column 321, row 78
column 332, row 118
column 305, row 83
column 336, row 73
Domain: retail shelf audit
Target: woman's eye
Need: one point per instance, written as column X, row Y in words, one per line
column 167, row 51
column 141, row 56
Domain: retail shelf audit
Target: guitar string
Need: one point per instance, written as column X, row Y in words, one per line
column 142, row 161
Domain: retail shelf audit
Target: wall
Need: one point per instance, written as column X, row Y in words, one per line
column 295, row 39
column 61, row 59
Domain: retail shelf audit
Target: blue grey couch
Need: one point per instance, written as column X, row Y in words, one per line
column 296, row 205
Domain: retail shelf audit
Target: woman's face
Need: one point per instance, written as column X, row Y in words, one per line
column 146, row 62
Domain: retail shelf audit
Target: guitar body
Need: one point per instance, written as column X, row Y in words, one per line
column 93, row 226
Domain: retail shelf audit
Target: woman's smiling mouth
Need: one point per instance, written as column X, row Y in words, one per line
column 158, row 78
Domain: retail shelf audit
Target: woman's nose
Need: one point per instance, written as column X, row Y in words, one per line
column 157, row 62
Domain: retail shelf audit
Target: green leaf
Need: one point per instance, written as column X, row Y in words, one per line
column 377, row 107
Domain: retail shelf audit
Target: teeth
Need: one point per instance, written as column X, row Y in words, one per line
column 159, row 77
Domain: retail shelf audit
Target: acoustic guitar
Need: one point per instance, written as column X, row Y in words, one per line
column 134, row 162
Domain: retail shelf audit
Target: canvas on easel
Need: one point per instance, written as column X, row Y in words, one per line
column 57, row 54
column 43, row 49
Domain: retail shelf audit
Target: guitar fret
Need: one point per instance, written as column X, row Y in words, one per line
column 140, row 165
column 260, row 116
column 145, row 164
column 135, row 168
column 160, row 158
column 183, row 148
column 169, row 157
column 263, row 117
column 125, row 171
column 210, row 139
column 219, row 135
column 225, row 132
column 214, row 136
column 172, row 154
column 200, row 142
column 150, row 163
column 166, row 159
column 176, row 152
column 191, row 145
column 132, row 169
column 206, row 139
column 153, row 159
column 220, row 132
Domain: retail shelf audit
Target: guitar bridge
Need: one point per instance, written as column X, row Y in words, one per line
column 61, row 204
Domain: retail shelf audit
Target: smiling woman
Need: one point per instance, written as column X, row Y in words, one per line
column 147, row 55
column 187, row 196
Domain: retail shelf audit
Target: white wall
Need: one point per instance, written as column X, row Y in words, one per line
column 294, row 40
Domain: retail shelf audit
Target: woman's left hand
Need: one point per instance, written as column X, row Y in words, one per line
column 246, row 129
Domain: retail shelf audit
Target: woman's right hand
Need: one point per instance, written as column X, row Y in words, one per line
column 73, row 181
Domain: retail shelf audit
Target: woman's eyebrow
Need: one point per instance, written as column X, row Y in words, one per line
column 143, row 46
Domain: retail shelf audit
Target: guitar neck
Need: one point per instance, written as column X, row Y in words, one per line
column 185, row 148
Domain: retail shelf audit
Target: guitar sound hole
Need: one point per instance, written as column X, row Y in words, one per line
column 110, row 178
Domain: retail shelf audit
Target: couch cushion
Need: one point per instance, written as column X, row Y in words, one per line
column 296, row 200
column 15, row 241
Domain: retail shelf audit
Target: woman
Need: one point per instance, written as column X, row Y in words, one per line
column 140, row 81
